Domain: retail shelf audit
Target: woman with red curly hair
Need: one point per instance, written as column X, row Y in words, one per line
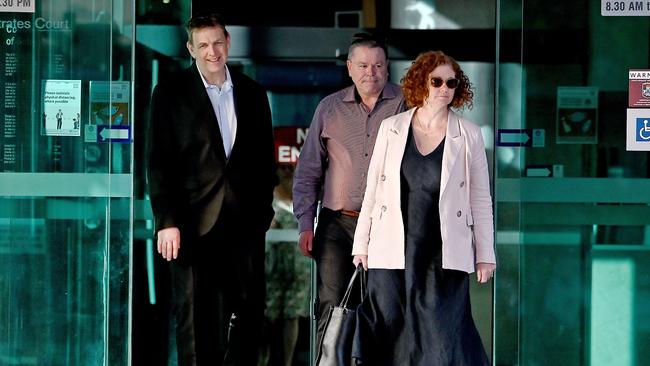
column 426, row 223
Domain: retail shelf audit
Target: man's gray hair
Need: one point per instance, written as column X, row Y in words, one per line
column 367, row 40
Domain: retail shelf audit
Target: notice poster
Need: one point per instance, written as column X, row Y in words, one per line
column 61, row 113
column 109, row 103
column 577, row 115
column 108, row 119
column 639, row 89
column 16, row 99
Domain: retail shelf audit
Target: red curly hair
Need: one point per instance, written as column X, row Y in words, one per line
column 415, row 84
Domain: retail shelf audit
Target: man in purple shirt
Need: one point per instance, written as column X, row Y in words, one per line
column 334, row 162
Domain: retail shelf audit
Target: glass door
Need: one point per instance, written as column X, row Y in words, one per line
column 572, row 216
column 66, row 160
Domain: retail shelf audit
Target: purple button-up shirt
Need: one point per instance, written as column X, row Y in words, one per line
column 337, row 151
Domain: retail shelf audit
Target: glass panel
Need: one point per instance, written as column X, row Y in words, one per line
column 509, row 73
column 482, row 77
column 295, row 89
column 292, row 13
column 298, row 73
column 293, row 105
column 65, row 184
column 571, row 224
column 441, row 17
column 440, row 14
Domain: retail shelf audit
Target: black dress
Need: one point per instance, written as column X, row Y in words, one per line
column 420, row 315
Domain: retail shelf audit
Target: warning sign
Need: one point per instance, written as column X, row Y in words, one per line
column 639, row 89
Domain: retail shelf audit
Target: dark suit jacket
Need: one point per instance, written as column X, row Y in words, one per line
column 190, row 181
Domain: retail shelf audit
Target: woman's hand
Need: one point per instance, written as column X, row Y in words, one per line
column 363, row 259
column 485, row 271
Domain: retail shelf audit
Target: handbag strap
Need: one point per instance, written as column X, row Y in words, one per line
column 348, row 291
column 363, row 281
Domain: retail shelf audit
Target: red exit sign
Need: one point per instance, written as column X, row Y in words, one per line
column 288, row 142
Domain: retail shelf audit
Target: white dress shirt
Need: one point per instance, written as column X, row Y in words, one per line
column 224, row 108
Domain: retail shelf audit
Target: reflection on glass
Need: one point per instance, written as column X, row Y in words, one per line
column 288, row 280
column 65, row 221
column 425, row 11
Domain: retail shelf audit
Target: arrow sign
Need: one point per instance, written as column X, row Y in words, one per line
column 107, row 133
column 539, row 171
column 514, row 137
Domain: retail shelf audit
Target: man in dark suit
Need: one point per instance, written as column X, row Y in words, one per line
column 211, row 173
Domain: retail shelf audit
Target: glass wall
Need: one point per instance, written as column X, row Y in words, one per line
column 573, row 286
column 66, row 161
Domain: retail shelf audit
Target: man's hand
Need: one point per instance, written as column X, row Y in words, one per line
column 305, row 242
column 169, row 242
column 485, row 271
column 363, row 259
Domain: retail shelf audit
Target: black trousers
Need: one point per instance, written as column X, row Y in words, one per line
column 332, row 252
column 219, row 291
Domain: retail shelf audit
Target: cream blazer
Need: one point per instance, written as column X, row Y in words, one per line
column 466, row 221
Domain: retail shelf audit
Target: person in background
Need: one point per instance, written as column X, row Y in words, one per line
column 426, row 222
column 288, row 279
column 211, row 174
column 333, row 163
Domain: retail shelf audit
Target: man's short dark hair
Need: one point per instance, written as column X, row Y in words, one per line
column 367, row 40
column 198, row 21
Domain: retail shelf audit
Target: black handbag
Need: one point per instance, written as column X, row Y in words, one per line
column 335, row 346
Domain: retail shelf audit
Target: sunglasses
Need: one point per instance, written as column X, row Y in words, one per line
column 451, row 83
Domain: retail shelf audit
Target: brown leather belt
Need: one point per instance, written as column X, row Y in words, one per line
column 349, row 213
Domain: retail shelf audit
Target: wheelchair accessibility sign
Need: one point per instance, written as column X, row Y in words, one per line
column 643, row 129
column 638, row 129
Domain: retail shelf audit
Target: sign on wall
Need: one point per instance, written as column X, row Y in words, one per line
column 288, row 142
column 109, row 112
column 16, row 48
column 577, row 115
column 638, row 129
column 17, row 6
column 637, row 136
column 61, row 114
column 639, row 89
column 633, row 8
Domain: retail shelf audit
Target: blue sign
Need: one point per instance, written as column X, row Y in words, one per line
column 643, row 129
column 108, row 133
column 539, row 171
column 514, row 137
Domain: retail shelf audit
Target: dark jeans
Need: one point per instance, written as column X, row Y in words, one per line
column 219, row 297
column 333, row 255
